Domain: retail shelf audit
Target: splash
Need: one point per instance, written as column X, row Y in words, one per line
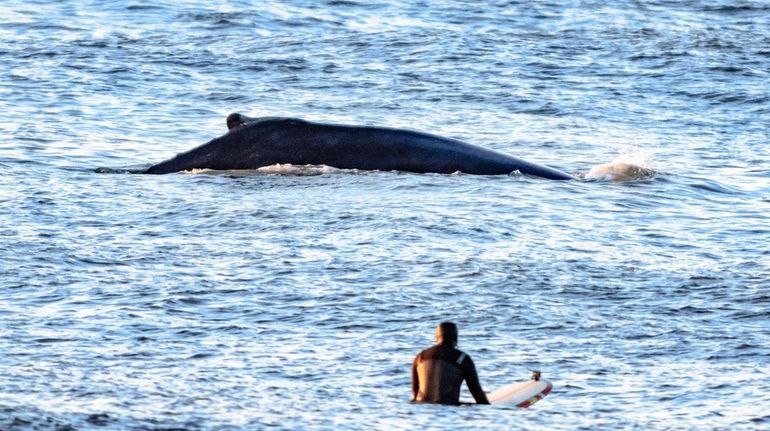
column 299, row 170
column 627, row 167
column 277, row 169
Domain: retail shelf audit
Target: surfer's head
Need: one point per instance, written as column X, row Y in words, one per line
column 446, row 333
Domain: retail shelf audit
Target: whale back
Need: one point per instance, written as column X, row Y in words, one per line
column 252, row 143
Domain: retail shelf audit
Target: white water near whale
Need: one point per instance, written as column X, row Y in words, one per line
column 628, row 166
column 296, row 297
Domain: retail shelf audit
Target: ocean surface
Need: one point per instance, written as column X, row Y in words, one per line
column 296, row 297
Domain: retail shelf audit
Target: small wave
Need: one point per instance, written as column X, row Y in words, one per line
column 627, row 167
column 715, row 187
column 106, row 170
column 215, row 17
column 143, row 7
column 730, row 9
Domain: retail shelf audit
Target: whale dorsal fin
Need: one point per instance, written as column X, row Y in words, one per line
column 236, row 120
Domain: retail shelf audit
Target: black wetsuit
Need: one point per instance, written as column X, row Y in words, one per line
column 438, row 373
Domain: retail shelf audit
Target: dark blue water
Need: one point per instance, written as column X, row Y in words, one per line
column 297, row 297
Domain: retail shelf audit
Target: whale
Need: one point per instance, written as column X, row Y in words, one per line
column 252, row 143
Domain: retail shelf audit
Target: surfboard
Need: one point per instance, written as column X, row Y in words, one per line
column 522, row 394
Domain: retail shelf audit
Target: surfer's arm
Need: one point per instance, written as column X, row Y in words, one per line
column 472, row 380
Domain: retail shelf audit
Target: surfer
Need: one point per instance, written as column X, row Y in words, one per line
column 438, row 372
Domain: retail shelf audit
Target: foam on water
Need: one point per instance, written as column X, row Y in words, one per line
column 277, row 169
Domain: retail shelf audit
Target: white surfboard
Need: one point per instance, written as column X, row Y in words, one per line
column 522, row 394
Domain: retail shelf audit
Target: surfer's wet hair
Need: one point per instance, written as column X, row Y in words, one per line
column 446, row 333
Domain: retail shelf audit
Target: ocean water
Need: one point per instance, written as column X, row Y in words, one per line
column 296, row 297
